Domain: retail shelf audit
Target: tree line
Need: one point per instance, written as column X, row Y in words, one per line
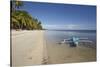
column 21, row 19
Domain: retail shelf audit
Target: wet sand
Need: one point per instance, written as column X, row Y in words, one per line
column 63, row 53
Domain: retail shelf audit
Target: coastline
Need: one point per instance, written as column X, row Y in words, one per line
column 63, row 53
column 34, row 48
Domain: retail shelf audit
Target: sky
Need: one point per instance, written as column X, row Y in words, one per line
column 62, row 16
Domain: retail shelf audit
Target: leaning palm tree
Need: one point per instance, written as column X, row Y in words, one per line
column 21, row 19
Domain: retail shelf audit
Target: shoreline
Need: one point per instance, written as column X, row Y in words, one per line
column 33, row 48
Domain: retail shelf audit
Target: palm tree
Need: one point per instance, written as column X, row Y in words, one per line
column 39, row 25
column 22, row 19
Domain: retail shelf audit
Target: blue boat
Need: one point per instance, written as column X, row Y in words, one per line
column 74, row 41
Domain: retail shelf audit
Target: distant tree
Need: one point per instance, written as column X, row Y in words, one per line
column 39, row 25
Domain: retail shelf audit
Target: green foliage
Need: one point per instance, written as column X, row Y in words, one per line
column 22, row 20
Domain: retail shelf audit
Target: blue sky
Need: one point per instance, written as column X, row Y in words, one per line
column 63, row 16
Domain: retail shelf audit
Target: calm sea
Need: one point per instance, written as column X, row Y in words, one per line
column 54, row 36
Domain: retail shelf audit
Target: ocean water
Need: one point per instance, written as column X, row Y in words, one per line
column 64, row 53
column 56, row 36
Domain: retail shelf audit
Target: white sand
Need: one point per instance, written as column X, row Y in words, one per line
column 28, row 48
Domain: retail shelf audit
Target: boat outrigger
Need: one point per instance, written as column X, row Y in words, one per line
column 74, row 41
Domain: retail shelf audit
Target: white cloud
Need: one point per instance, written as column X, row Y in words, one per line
column 61, row 26
column 72, row 26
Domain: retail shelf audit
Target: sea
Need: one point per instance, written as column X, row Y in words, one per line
column 56, row 36
column 65, row 53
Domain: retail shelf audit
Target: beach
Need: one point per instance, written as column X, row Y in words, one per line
column 65, row 54
column 28, row 48
column 35, row 48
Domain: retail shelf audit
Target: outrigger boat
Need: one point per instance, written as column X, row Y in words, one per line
column 74, row 41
